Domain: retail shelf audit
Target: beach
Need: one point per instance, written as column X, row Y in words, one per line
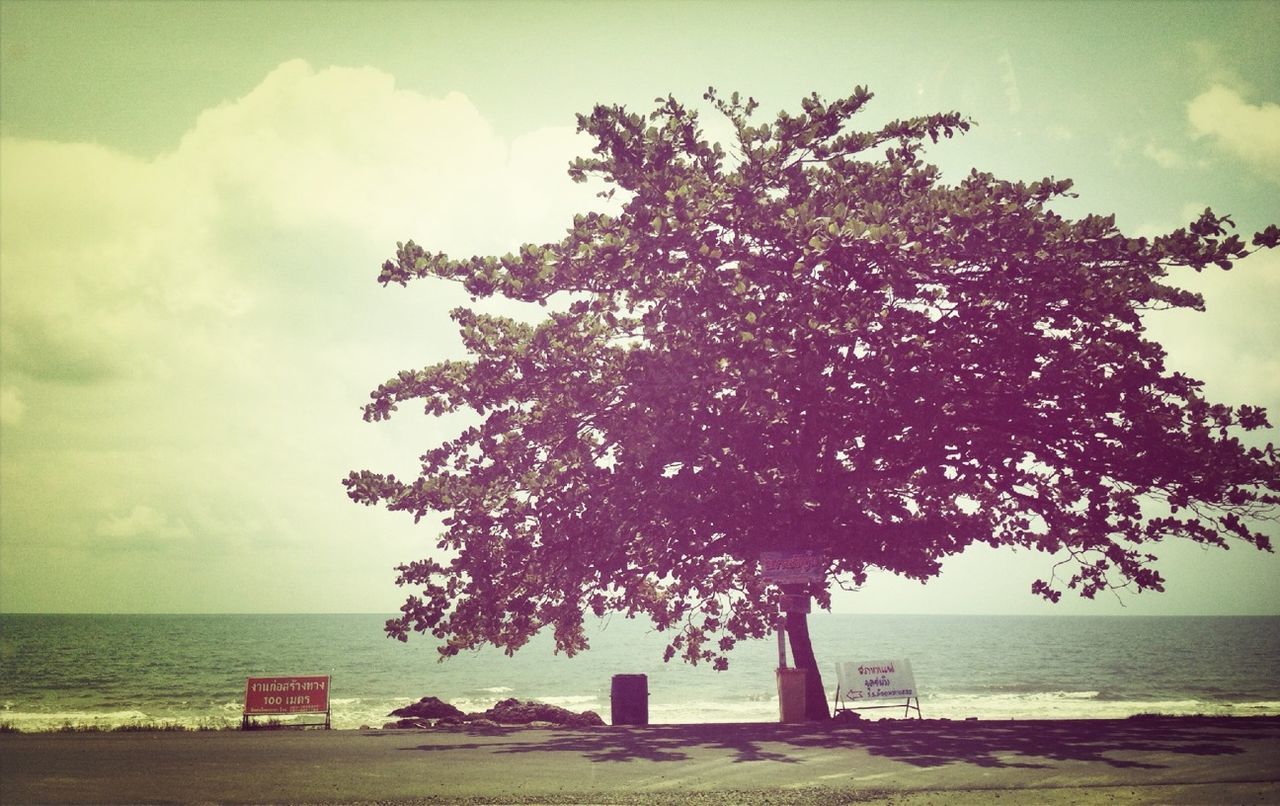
column 1141, row 760
column 126, row 670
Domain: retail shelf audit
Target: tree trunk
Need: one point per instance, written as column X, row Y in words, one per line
column 815, row 697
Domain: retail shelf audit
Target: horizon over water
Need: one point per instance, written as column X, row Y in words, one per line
column 118, row 669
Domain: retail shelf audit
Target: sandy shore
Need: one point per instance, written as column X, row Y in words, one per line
column 1151, row 760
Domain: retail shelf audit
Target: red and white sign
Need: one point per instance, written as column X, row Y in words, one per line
column 286, row 695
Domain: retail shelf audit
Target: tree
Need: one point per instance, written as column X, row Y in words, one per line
column 810, row 343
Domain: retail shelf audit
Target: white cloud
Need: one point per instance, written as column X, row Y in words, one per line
column 1163, row 156
column 201, row 328
column 1191, row 211
column 1239, row 363
column 11, row 406
column 144, row 523
column 1121, row 147
column 1214, row 65
column 1059, row 132
column 344, row 147
column 115, row 266
column 1010, row 81
column 1250, row 131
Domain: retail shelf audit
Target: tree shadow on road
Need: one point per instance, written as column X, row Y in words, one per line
column 1139, row 743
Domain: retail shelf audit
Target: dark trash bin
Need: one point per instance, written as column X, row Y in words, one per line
column 629, row 699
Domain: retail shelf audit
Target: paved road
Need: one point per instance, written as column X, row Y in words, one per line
column 1199, row 760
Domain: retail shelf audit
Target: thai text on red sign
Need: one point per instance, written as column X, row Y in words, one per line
column 286, row 695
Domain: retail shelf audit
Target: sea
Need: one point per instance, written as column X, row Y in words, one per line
column 109, row 671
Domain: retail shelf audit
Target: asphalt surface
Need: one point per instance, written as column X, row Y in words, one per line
column 908, row 762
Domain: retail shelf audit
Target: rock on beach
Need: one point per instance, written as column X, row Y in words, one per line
column 433, row 712
column 427, row 708
column 514, row 712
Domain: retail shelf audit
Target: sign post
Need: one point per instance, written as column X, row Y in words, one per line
column 281, row 696
column 794, row 572
column 792, row 569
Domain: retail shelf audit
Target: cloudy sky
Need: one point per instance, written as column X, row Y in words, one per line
column 195, row 201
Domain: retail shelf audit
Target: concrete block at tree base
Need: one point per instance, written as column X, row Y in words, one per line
column 791, row 694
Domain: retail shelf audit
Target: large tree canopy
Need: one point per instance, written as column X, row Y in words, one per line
column 810, row 342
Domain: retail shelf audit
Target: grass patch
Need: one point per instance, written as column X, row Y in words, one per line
column 148, row 727
column 130, row 727
column 67, row 727
column 202, row 726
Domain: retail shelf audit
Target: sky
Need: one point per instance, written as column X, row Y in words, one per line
column 195, row 200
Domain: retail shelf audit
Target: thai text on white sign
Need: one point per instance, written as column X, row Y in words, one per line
column 876, row 680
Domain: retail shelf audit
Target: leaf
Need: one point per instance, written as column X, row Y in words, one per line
column 1268, row 238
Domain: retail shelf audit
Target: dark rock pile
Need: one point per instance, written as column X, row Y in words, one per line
column 514, row 712
column 427, row 709
column 433, row 712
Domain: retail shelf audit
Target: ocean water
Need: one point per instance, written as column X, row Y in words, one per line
column 112, row 670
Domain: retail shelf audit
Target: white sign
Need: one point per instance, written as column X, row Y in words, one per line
column 876, row 680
